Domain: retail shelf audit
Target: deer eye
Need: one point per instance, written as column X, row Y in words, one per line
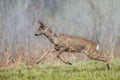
column 39, row 29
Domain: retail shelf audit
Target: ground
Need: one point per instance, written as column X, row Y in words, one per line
column 85, row 70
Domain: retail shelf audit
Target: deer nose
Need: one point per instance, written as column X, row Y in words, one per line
column 36, row 34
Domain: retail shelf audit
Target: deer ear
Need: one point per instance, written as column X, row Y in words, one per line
column 41, row 22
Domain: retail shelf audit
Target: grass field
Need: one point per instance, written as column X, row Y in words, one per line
column 89, row 70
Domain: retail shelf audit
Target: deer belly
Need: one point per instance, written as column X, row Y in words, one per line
column 72, row 49
column 76, row 48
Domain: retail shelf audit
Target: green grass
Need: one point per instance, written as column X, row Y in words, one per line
column 89, row 70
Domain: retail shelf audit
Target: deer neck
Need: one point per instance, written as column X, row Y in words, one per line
column 50, row 36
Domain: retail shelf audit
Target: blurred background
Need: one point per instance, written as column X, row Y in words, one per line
column 97, row 20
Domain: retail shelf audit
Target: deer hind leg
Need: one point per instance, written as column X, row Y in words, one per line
column 96, row 56
column 63, row 60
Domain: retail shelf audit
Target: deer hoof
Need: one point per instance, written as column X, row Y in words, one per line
column 108, row 67
column 37, row 62
column 69, row 63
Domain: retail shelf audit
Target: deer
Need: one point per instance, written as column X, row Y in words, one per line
column 68, row 43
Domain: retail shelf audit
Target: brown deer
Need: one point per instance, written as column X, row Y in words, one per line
column 67, row 43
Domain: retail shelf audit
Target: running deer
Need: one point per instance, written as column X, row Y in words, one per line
column 67, row 43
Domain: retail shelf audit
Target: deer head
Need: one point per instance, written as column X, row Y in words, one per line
column 42, row 29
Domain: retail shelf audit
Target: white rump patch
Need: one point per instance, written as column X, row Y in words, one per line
column 97, row 47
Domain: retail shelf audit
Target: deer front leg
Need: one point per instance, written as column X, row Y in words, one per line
column 43, row 56
column 58, row 56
